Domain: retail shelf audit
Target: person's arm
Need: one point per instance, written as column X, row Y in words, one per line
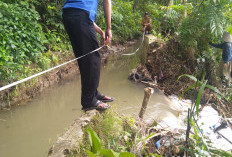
column 143, row 22
column 216, row 45
column 107, row 11
column 99, row 30
column 149, row 21
column 226, row 53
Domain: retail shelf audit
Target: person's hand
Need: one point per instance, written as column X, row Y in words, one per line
column 102, row 33
column 108, row 37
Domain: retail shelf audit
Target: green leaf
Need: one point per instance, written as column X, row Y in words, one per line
column 216, row 91
column 150, row 136
column 90, row 138
column 108, row 153
column 199, row 96
column 229, row 29
column 155, row 155
column 217, row 152
column 55, row 59
column 189, row 76
column 91, row 154
column 126, row 154
column 94, row 141
column 191, row 87
column 200, row 83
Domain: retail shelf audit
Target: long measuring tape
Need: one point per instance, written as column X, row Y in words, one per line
column 129, row 54
column 46, row 71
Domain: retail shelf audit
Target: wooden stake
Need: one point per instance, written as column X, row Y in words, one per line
column 147, row 95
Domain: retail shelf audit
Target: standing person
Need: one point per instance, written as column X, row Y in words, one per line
column 226, row 56
column 78, row 18
column 146, row 24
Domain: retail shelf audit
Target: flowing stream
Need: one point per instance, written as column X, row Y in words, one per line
column 29, row 130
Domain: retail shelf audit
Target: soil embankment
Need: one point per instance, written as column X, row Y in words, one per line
column 165, row 63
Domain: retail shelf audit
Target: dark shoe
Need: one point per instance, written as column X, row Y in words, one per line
column 104, row 98
column 97, row 107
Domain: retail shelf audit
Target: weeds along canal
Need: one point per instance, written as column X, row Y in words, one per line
column 29, row 130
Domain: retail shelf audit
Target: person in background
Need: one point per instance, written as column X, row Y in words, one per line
column 226, row 56
column 78, row 18
column 146, row 24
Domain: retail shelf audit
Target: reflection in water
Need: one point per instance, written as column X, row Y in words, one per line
column 30, row 130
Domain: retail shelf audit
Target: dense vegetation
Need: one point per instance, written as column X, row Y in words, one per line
column 31, row 31
column 32, row 36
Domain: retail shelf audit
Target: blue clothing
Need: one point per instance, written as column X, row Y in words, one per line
column 87, row 5
column 226, row 54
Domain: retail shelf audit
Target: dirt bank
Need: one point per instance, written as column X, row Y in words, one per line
column 26, row 91
column 165, row 62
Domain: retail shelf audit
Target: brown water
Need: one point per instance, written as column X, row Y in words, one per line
column 29, row 130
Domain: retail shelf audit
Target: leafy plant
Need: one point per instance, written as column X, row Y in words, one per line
column 206, row 21
column 126, row 24
column 22, row 40
column 172, row 15
column 199, row 87
column 28, row 29
column 96, row 147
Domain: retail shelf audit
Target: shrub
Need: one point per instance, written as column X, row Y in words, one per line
column 126, row 24
column 22, row 39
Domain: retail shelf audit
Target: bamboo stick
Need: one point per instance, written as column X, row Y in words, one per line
column 147, row 95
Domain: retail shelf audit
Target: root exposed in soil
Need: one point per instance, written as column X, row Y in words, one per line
column 166, row 63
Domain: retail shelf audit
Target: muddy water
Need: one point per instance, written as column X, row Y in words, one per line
column 29, row 130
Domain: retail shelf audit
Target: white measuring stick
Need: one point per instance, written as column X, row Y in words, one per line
column 129, row 54
column 43, row 72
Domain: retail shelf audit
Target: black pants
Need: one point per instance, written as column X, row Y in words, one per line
column 83, row 38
